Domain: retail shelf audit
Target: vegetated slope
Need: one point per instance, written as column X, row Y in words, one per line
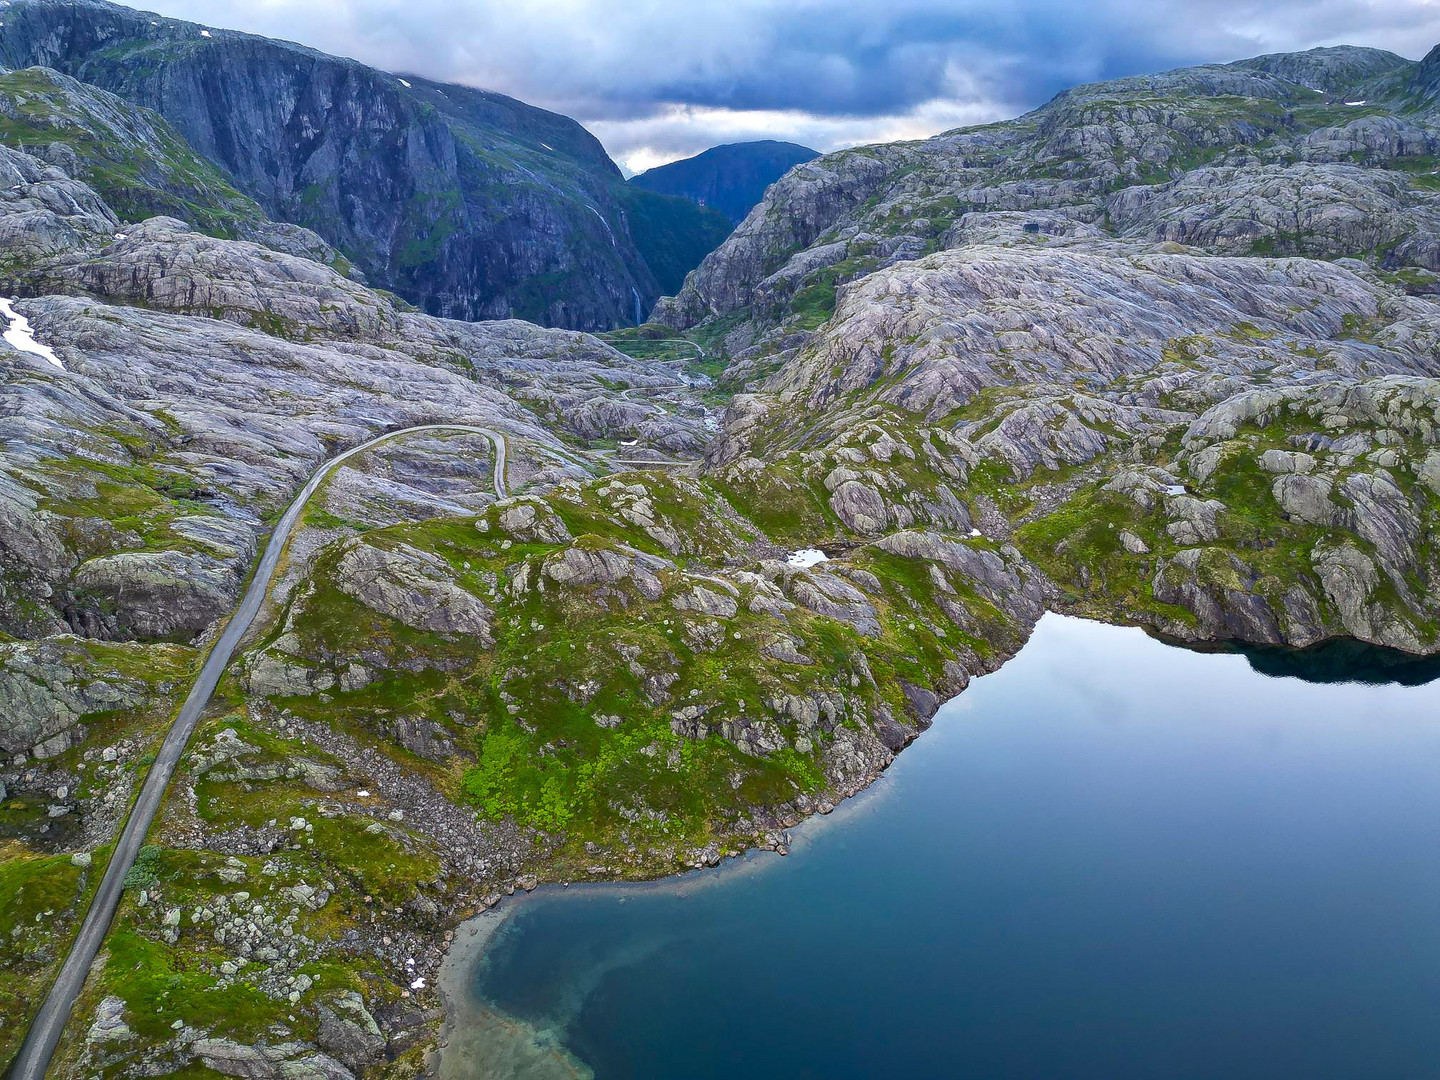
column 468, row 203
column 673, row 233
column 731, row 178
column 1075, row 328
column 129, row 155
column 136, row 161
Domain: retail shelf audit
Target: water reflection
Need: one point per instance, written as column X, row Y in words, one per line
column 1343, row 661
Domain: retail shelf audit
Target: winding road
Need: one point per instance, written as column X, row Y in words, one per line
column 699, row 352
column 44, row 1035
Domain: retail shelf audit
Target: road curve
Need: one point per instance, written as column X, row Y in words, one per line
column 35, row 1053
column 699, row 352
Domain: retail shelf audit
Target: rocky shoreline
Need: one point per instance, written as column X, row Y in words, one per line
column 471, row 1033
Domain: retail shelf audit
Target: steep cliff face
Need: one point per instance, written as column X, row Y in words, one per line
column 1424, row 85
column 131, row 156
column 467, row 203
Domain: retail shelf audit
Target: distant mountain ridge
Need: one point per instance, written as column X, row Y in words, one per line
column 1332, row 69
column 731, row 178
column 1323, row 153
column 465, row 202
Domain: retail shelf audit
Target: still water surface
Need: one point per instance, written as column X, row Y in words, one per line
column 1111, row 859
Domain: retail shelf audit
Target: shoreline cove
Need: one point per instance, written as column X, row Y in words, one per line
column 480, row 1037
column 473, row 938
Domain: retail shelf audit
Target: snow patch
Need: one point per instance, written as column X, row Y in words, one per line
column 404, row 84
column 806, row 557
column 204, row 33
column 418, row 984
column 975, row 534
column 20, row 337
column 1356, row 103
column 1174, row 489
column 548, row 147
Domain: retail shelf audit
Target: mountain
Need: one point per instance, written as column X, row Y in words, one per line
column 1224, row 274
column 130, row 155
column 467, row 203
column 1233, row 158
column 137, row 162
column 1164, row 352
column 730, row 178
column 673, row 233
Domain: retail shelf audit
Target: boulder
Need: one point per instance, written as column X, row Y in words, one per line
column 413, row 587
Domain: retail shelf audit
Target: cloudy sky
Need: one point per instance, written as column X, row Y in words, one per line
column 657, row 81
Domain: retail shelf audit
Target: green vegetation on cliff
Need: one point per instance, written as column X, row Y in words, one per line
column 129, row 155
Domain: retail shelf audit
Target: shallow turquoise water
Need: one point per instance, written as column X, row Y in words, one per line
column 1111, row 859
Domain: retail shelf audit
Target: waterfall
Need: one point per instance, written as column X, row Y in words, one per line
column 636, row 293
column 608, row 231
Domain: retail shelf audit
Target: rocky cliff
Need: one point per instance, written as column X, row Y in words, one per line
column 1327, row 153
column 467, row 203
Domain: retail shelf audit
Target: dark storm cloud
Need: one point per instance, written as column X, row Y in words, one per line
column 662, row 79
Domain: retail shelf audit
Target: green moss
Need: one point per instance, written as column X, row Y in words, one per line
column 1277, row 243
column 633, row 341
column 429, row 220
column 381, row 863
column 317, row 518
column 41, row 898
column 1249, row 331
column 813, row 304
column 160, row 985
column 141, row 169
column 1423, row 170
column 31, row 885
column 1361, row 328
column 782, row 503
column 996, row 480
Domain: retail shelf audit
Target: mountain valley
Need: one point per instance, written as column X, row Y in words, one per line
column 1164, row 352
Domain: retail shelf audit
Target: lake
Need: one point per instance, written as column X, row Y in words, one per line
column 1110, row 859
